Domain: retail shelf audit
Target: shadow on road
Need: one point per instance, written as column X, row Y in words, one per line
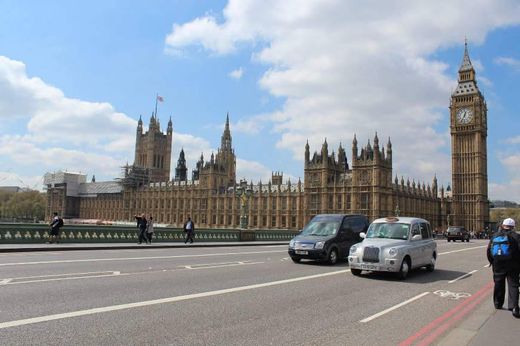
column 342, row 263
column 417, row 276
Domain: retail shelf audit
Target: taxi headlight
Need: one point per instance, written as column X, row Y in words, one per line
column 392, row 252
column 353, row 249
column 319, row 245
column 292, row 243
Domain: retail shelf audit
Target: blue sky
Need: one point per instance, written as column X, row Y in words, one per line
column 74, row 78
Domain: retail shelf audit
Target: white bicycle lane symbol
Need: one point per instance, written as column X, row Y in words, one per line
column 452, row 295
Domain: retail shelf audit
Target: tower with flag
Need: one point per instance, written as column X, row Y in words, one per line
column 153, row 147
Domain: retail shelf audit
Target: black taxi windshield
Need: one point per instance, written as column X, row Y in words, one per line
column 321, row 228
column 388, row 231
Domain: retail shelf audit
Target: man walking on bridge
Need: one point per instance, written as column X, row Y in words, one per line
column 189, row 228
column 503, row 252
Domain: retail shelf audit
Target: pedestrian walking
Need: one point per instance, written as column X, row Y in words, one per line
column 503, row 253
column 149, row 229
column 141, row 224
column 55, row 225
column 189, row 229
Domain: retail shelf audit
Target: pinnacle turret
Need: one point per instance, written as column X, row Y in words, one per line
column 466, row 62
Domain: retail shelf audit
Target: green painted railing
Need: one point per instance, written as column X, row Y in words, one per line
column 16, row 233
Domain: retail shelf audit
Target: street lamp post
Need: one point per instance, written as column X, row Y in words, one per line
column 243, row 194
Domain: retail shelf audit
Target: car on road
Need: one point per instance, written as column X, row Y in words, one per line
column 327, row 237
column 457, row 233
column 394, row 244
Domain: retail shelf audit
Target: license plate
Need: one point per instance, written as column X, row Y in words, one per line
column 368, row 267
column 301, row 252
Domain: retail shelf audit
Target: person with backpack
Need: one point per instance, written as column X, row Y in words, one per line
column 503, row 253
column 55, row 225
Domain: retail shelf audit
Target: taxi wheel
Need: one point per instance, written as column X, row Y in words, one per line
column 405, row 268
column 431, row 267
column 296, row 260
column 356, row 272
column 333, row 256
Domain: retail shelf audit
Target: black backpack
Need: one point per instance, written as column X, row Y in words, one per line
column 60, row 222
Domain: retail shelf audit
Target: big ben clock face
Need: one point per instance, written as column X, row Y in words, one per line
column 464, row 116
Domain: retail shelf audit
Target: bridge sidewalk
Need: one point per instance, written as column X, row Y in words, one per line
column 484, row 327
column 115, row 246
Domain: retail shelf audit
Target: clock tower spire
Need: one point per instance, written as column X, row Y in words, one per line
column 468, row 127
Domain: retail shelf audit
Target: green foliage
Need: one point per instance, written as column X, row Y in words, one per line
column 499, row 214
column 27, row 205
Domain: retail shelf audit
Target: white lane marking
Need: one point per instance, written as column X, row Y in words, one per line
column 108, row 274
column 64, row 274
column 5, row 281
column 42, row 278
column 368, row 319
column 462, row 276
column 466, row 249
column 217, row 265
column 137, row 258
column 62, row 279
column 78, row 313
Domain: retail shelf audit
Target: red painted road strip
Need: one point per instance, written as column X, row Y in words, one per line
column 443, row 328
column 459, row 311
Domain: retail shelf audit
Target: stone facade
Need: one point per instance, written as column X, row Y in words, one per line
column 331, row 184
column 468, row 119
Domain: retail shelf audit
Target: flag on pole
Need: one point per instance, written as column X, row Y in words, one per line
column 160, row 98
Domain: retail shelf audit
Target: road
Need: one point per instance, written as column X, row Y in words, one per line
column 231, row 296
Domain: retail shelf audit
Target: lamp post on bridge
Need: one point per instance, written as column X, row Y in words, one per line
column 243, row 193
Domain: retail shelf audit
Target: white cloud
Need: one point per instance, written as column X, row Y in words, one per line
column 13, row 179
column 348, row 67
column 251, row 125
column 255, row 172
column 61, row 132
column 237, row 74
column 509, row 189
column 52, row 116
column 508, row 61
column 513, row 140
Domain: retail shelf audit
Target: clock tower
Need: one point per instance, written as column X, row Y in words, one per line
column 468, row 125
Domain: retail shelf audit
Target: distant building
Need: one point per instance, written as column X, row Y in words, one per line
column 331, row 184
column 11, row 189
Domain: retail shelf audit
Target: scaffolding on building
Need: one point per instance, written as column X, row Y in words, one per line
column 134, row 176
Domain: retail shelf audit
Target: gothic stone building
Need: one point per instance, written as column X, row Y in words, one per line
column 331, row 184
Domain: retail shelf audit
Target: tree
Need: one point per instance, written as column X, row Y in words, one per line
column 499, row 214
column 26, row 205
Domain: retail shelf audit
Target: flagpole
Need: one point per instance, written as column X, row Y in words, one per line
column 156, row 97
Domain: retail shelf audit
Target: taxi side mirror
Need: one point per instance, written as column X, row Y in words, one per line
column 417, row 237
column 363, row 235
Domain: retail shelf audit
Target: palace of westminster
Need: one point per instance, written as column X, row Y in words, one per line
column 214, row 198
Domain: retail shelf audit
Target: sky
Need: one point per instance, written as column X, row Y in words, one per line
column 76, row 76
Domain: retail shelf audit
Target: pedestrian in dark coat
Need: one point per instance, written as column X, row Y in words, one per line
column 189, row 229
column 55, row 225
column 149, row 229
column 503, row 253
column 141, row 224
